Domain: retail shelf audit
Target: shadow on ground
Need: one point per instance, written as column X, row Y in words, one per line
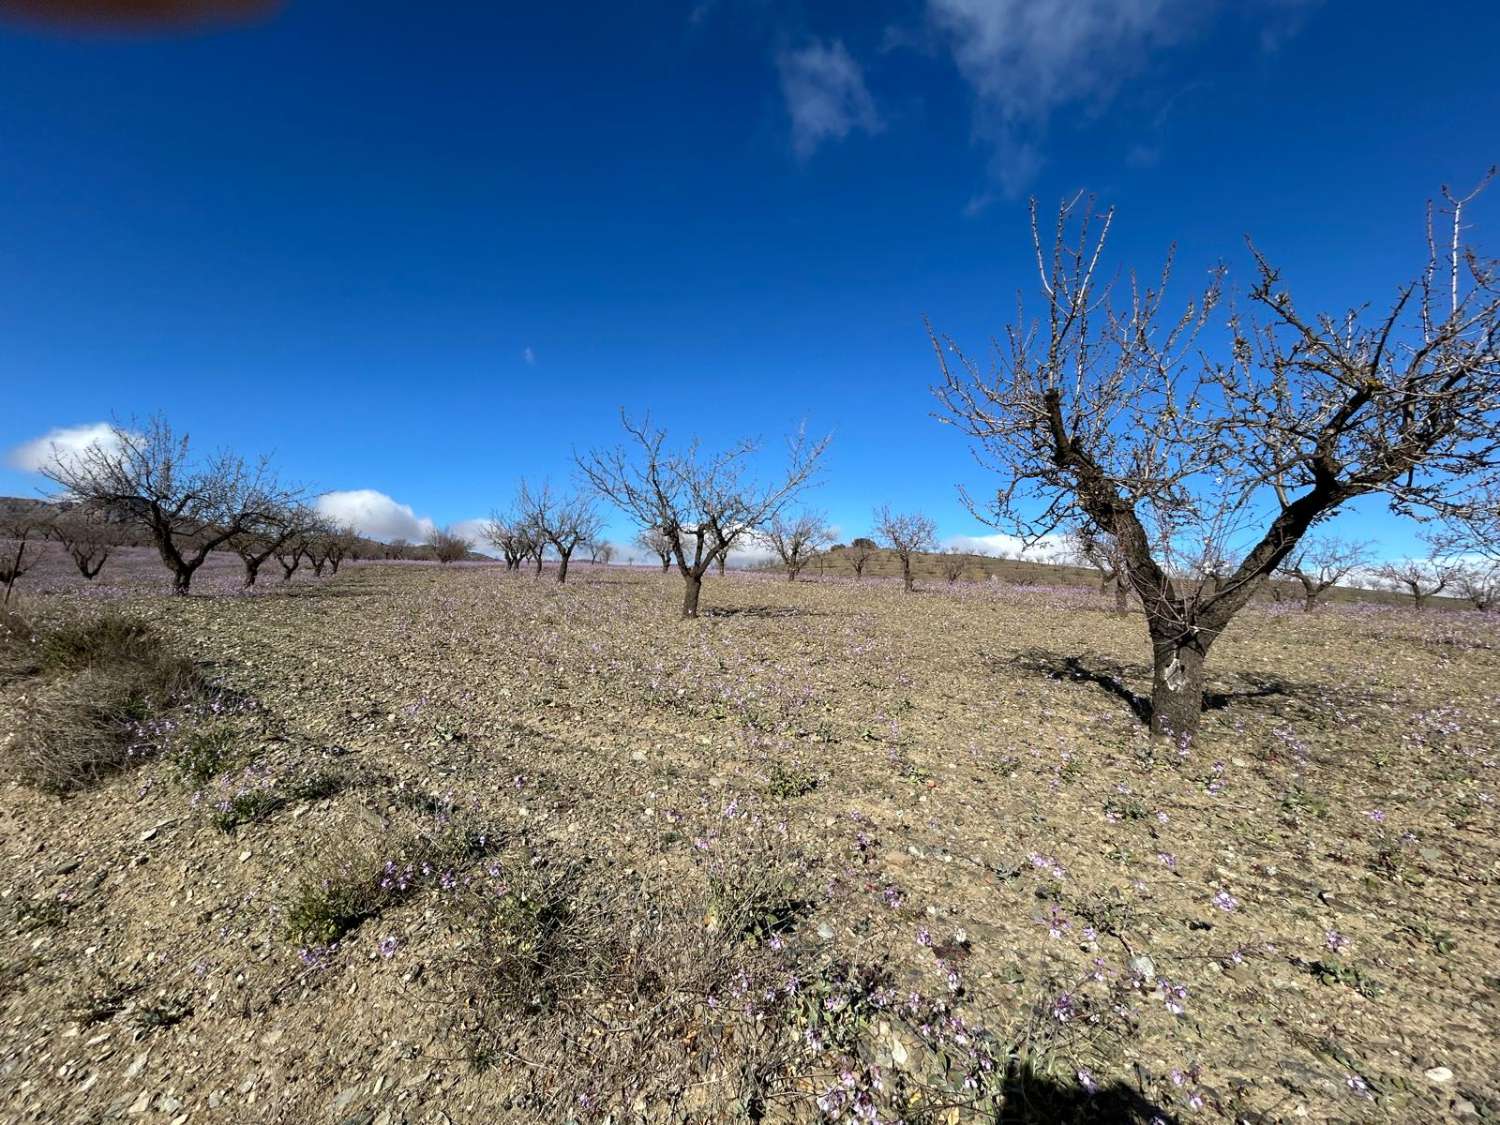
column 1111, row 677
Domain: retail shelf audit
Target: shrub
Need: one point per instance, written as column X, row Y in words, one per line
column 204, row 754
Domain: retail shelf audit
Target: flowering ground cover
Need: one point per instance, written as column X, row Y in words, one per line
column 447, row 841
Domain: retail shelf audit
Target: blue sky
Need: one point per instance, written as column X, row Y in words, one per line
column 425, row 256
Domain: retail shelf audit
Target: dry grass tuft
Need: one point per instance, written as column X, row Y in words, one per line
column 89, row 695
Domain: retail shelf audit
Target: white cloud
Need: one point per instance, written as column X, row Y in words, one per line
column 1049, row 548
column 1027, row 59
column 376, row 515
column 529, row 356
column 825, row 95
column 66, row 441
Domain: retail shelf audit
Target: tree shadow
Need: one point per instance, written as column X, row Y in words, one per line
column 1111, row 675
column 1034, row 1099
column 766, row 611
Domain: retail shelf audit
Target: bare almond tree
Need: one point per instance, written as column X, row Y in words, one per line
column 796, row 539
column 89, row 536
column 1103, row 411
column 190, row 507
column 448, row 546
column 908, row 534
column 1480, row 583
column 1092, row 547
column 702, row 502
column 1321, row 563
column 654, row 540
column 859, row 553
column 504, row 533
column 270, row 535
column 601, row 554
column 19, row 532
column 952, row 563
column 1421, row 578
column 563, row 522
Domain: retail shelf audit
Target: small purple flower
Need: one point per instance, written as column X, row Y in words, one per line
column 1336, row 941
column 1226, row 902
column 1086, row 1080
column 1377, row 815
column 387, row 947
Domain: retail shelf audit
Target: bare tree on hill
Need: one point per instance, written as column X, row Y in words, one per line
column 1322, row 563
column 797, row 539
column 906, row 533
column 19, row 531
column 190, row 507
column 702, row 502
column 268, row 536
column 859, row 553
column 505, row 535
column 952, row 563
column 1102, row 410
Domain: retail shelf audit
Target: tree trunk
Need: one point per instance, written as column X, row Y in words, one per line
column 334, row 566
column 693, row 587
column 1177, row 686
column 252, row 569
column 562, row 567
column 906, row 572
column 666, row 563
column 1103, row 582
column 1309, row 601
column 538, row 572
column 723, row 562
column 182, row 578
column 1122, row 604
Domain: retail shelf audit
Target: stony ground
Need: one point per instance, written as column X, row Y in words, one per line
column 968, row 841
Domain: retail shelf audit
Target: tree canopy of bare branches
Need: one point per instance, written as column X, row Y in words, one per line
column 565, row 522
column 701, row 502
column 448, row 546
column 272, row 533
column 1108, row 409
column 654, row 540
column 796, row 539
column 88, row 534
column 1089, row 546
column 189, row 506
column 1421, row 578
column 1322, row 562
column 859, row 553
column 907, row 533
column 508, row 536
column 18, row 534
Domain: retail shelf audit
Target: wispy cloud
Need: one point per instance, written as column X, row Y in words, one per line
column 376, row 515
column 58, row 444
column 1027, row 59
column 528, row 356
column 825, row 94
column 1049, row 548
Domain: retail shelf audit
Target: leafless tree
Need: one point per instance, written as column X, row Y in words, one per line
column 1480, row 584
column 1421, row 578
column 505, row 534
column 1321, row 563
column 397, row 548
column 1103, row 412
column 189, row 507
column 702, row 502
column 859, row 553
column 89, row 536
column 270, row 535
column 448, row 546
column 1091, row 547
column 796, row 539
column 563, row 522
column 952, row 563
column 601, row 553
column 906, row 533
column 19, row 532
column 342, row 539
column 654, row 540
